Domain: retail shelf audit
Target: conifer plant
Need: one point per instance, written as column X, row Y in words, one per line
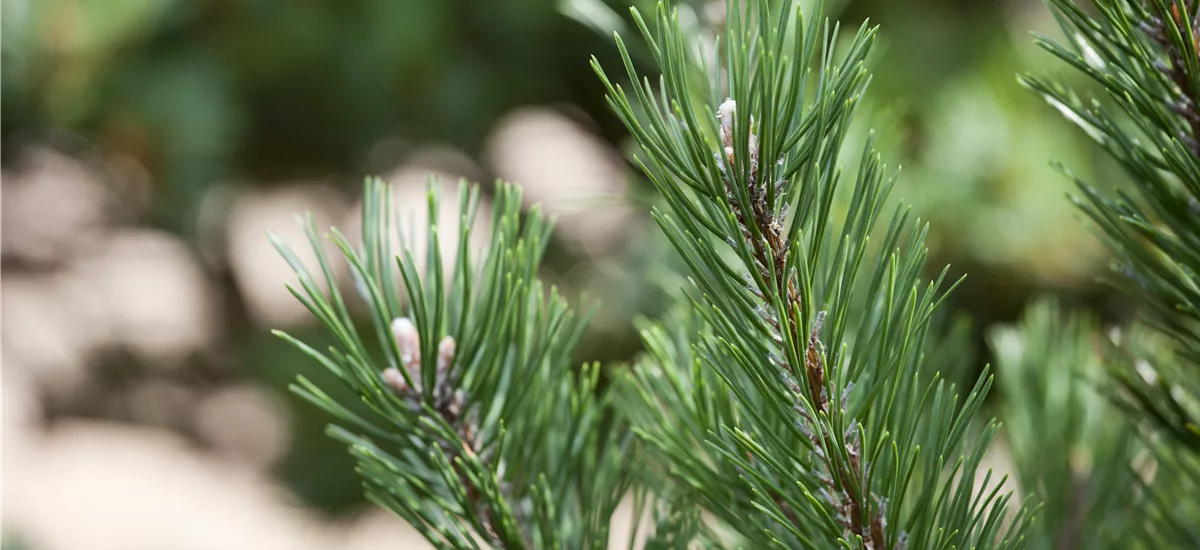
column 472, row 424
column 1144, row 57
column 795, row 407
column 785, row 402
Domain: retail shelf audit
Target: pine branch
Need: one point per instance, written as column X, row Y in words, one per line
column 770, row 257
column 476, row 430
column 1145, row 55
column 1175, row 65
column 796, row 411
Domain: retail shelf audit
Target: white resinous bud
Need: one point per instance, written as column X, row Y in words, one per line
column 445, row 354
column 409, row 342
column 725, row 115
column 395, row 380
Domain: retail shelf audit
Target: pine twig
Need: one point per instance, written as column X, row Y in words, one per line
column 772, row 251
column 1174, row 67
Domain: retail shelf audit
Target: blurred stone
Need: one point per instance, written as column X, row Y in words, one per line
column 258, row 269
column 49, row 206
column 157, row 299
column 20, row 412
column 570, row 171
column 714, row 12
column 121, row 487
column 110, row 487
column 137, row 289
column 246, row 423
column 107, row 487
column 42, row 334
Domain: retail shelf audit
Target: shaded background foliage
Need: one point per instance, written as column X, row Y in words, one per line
column 148, row 145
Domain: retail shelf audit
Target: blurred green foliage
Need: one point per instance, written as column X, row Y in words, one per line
column 202, row 91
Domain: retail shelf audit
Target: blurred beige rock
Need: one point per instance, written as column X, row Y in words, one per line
column 41, row 333
column 258, row 269
column 245, row 423
column 573, row 173
column 92, row 485
column 157, row 299
column 105, row 486
column 50, row 207
column 20, row 411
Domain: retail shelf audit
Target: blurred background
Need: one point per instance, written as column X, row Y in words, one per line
column 149, row 145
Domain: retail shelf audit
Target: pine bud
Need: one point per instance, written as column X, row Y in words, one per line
column 395, row 380
column 409, row 342
column 725, row 115
column 444, row 359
